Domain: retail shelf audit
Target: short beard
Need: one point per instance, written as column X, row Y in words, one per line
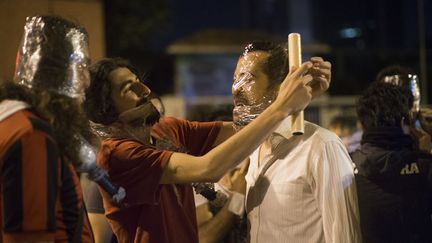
column 149, row 120
column 153, row 117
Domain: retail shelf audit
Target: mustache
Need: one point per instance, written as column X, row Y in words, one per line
column 240, row 100
column 151, row 117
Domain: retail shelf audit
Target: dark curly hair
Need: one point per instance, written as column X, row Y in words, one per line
column 276, row 65
column 384, row 105
column 63, row 113
column 98, row 103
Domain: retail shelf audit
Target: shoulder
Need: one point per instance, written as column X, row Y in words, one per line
column 168, row 124
column 171, row 125
column 323, row 142
column 320, row 134
column 172, row 121
column 24, row 123
column 117, row 146
column 175, row 122
column 116, row 149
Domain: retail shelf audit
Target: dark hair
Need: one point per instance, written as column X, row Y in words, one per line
column 98, row 103
column 63, row 113
column 276, row 65
column 384, row 105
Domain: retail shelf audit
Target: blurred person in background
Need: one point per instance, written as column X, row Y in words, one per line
column 343, row 127
column 41, row 123
column 393, row 168
column 399, row 76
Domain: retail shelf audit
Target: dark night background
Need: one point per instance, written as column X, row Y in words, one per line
column 364, row 35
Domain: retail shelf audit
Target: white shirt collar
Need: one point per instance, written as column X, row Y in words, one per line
column 9, row 107
column 284, row 128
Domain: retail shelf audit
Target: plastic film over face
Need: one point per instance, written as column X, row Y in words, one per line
column 251, row 98
column 53, row 56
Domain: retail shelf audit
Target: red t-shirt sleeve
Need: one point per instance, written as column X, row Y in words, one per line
column 138, row 168
column 197, row 137
column 135, row 167
column 200, row 136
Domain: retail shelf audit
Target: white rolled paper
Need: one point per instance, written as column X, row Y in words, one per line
column 295, row 60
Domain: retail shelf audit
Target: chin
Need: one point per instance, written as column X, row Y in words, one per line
column 152, row 118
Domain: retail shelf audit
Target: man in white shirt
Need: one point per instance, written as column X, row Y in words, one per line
column 299, row 188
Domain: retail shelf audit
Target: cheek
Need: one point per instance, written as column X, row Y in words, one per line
column 122, row 103
column 255, row 95
column 130, row 99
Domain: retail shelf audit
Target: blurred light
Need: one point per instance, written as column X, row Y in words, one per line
column 349, row 33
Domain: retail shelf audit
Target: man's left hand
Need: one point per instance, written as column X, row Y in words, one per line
column 321, row 74
column 426, row 119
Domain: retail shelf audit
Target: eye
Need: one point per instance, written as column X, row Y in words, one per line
column 242, row 80
column 127, row 88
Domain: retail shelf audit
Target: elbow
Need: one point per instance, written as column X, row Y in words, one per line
column 212, row 171
column 210, row 176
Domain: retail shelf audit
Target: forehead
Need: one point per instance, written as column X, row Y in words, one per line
column 120, row 75
column 251, row 62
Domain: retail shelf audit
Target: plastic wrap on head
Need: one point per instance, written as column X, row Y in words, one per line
column 245, row 82
column 415, row 89
column 412, row 83
column 102, row 131
column 53, row 56
column 245, row 114
column 247, row 106
column 393, row 79
column 260, row 69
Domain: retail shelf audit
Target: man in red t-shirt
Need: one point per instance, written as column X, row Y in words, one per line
column 156, row 167
column 40, row 118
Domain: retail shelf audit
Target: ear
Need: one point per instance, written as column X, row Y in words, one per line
column 273, row 90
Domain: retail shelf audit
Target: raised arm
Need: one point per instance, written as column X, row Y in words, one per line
column 294, row 94
column 226, row 131
column 321, row 74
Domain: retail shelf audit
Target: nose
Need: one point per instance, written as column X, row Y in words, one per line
column 244, row 81
column 140, row 89
column 234, row 91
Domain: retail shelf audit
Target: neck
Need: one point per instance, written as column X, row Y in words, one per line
column 267, row 144
column 140, row 133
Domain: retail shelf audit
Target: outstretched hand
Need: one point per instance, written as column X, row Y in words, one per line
column 235, row 179
column 426, row 119
column 423, row 139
